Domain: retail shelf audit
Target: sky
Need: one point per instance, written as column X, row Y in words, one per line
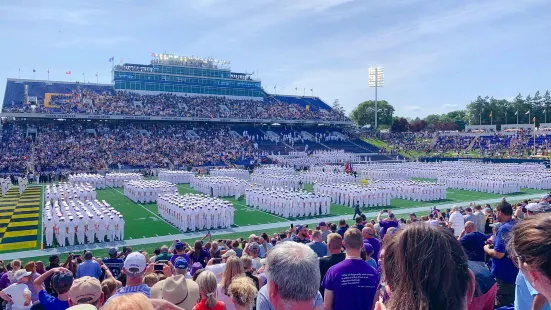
column 437, row 55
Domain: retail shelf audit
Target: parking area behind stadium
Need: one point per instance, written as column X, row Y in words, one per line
column 20, row 217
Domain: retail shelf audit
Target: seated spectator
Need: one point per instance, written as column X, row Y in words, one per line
column 440, row 266
column 243, row 293
column 18, row 294
column 473, row 242
column 253, row 249
column 293, row 279
column 207, row 291
column 89, row 267
column 62, row 280
column 352, row 283
column 317, row 244
column 86, row 290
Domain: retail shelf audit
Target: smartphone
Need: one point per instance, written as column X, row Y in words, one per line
column 76, row 256
column 158, row 267
column 216, row 260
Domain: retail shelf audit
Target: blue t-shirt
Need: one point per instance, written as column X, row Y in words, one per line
column 473, row 243
column 319, row 247
column 262, row 253
column 49, row 302
column 525, row 293
column 89, row 268
column 115, row 265
column 504, row 268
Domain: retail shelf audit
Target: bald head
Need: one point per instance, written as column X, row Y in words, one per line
column 368, row 232
column 470, row 227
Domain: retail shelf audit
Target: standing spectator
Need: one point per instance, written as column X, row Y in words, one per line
column 236, row 248
column 156, row 253
column 248, row 268
column 243, row 293
column 503, row 268
column 368, row 250
column 114, row 263
column 317, row 244
column 359, row 223
column 253, row 249
column 31, row 267
column 368, row 235
column 480, row 220
column 334, row 245
column 456, row 221
column 178, row 290
column 387, row 223
column 18, row 293
column 62, row 280
column 265, row 245
column 473, row 242
column 526, row 296
column 234, row 268
column 164, row 256
column 485, row 291
column 199, row 254
column 441, row 276
column 469, row 216
column 293, row 279
column 89, row 267
column 134, row 269
column 342, row 227
column 86, row 290
column 40, row 267
column 180, row 252
column 302, row 235
column 352, row 283
column 324, row 231
column 207, row 290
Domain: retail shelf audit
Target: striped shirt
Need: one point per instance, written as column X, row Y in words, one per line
column 142, row 288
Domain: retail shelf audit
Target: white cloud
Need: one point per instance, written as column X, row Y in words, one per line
column 450, row 105
column 413, row 108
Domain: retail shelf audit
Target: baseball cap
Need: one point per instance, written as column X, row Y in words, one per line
column 538, row 207
column 368, row 248
column 179, row 245
column 134, row 264
column 62, row 281
column 232, row 252
column 21, row 273
column 300, row 227
column 322, row 224
column 254, row 246
column 181, row 263
column 194, row 267
column 468, row 209
column 112, row 251
column 85, row 290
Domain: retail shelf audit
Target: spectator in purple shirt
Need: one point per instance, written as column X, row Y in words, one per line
column 180, row 252
column 385, row 224
column 368, row 235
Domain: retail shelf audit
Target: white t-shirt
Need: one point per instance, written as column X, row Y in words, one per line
column 217, row 269
column 17, row 293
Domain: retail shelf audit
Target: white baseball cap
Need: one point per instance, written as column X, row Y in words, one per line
column 135, row 263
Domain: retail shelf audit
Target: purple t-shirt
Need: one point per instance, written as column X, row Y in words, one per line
column 354, row 284
column 175, row 256
column 376, row 244
column 386, row 225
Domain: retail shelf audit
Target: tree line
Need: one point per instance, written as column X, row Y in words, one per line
column 484, row 110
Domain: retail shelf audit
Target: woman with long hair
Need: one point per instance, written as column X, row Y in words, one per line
column 199, row 254
column 207, row 290
column 530, row 249
column 426, row 268
column 234, row 268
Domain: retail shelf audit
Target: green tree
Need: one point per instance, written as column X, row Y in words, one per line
column 400, row 125
column 364, row 113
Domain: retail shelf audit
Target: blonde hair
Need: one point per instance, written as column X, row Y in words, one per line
column 144, row 253
column 247, row 262
column 30, row 266
column 135, row 301
column 150, row 279
column 234, row 268
column 243, row 291
column 15, row 265
column 108, row 287
column 207, row 285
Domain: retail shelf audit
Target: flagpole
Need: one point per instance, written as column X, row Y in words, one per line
column 534, row 135
column 48, row 74
column 505, row 117
column 517, row 117
column 97, row 79
column 491, row 118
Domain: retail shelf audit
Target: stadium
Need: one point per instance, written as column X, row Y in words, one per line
column 185, row 148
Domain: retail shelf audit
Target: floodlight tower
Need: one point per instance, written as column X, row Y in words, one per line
column 376, row 79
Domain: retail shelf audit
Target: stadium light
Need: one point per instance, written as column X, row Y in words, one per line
column 376, row 80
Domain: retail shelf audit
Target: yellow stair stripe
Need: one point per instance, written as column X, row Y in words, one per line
column 17, row 245
column 24, row 223
column 20, row 233
column 23, row 216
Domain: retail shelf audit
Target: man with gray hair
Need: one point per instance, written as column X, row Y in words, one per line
column 293, row 276
column 134, row 268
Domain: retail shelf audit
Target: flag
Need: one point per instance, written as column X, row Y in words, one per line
column 527, row 112
column 68, row 72
column 96, row 74
column 121, row 61
column 516, row 113
column 112, row 59
column 311, row 89
column 296, row 88
column 491, row 113
column 34, row 70
column 152, row 54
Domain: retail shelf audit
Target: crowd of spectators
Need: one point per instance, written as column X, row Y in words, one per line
column 84, row 101
column 455, row 259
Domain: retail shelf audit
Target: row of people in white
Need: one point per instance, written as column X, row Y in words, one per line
column 6, row 185
column 287, row 203
column 272, row 169
column 23, row 183
column 349, row 194
column 230, row 172
column 328, row 168
column 220, row 186
column 195, row 212
column 117, row 179
column 276, row 180
column 328, row 177
column 497, row 184
column 176, row 176
column 144, row 191
column 96, row 180
column 89, row 222
column 68, row 191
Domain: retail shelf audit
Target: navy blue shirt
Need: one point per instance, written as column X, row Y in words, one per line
column 504, row 268
column 342, row 230
column 473, row 243
column 114, row 265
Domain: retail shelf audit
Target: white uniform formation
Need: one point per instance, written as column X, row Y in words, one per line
column 287, row 203
column 176, row 176
column 220, row 186
column 6, row 185
column 276, row 180
column 144, row 191
column 496, row 184
column 234, row 173
column 195, row 212
column 328, row 168
column 275, row 170
column 23, row 183
column 318, row 157
column 67, row 191
column 117, row 179
column 96, row 180
column 328, row 177
column 89, row 222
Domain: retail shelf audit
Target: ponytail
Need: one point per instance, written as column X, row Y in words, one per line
column 211, row 301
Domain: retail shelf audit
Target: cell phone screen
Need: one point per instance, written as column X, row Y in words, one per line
column 158, row 267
